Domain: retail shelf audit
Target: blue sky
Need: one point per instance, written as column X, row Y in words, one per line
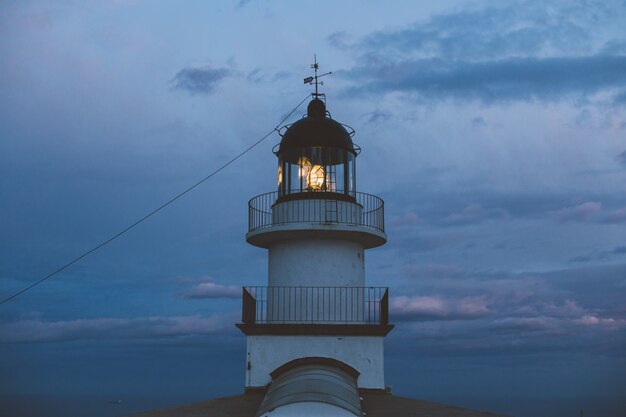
column 495, row 132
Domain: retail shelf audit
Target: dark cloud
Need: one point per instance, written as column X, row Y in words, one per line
column 514, row 51
column 472, row 204
column 376, row 116
column 242, row 3
column 600, row 255
column 495, row 32
column 255, row 76
column 37, row 330
column 202, row 79
column 478, row 121
column 591, row 257
column 614, row 47
column 492, row 81
column 339, row 40
column 282, row 75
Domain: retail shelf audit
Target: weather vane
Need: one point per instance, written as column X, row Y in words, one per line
column 315, row 79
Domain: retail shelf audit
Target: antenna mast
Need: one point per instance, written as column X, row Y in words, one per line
column 315, row 79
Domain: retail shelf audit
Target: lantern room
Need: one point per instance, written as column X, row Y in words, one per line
column 317, row 155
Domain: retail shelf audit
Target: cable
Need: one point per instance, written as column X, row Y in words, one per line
column 153, row 212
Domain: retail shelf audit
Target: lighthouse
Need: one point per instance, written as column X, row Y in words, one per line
column 315, row 332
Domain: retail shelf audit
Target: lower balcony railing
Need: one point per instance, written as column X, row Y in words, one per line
column 315, row 305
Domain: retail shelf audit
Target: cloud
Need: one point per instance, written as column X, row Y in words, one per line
column 37, row 330
column 487, row 324
column 569, row 308
column 601, row 255
column 592, row 320
column 242, row 3
column 201, row 79
column 518, row 51
column 526, row 323
column 621, row 158
column 460, row 311
column 376, row 116
column 544, row 79
column 616, row 216
column 210, row 289
column 339, row 40
column 474, row 214
column 410, row 218
column 478, row 122
column 580, row 213
column 255, row 76
column 282, row 75
column 505, row 30
column 620, row 99
column 432, row 308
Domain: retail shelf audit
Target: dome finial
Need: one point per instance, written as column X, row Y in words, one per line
column 316, row 108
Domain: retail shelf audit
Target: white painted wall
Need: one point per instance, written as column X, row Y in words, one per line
column 316, row 262
column 363, row 353
column 308, row 409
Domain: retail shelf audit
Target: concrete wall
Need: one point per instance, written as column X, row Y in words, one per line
column 363, row 353
column 316, row 262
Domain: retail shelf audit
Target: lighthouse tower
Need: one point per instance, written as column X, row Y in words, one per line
column 315, row 332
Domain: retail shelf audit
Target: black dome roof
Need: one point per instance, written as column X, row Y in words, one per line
column 316, row 130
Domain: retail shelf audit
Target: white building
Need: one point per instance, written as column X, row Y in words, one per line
column 315, row 332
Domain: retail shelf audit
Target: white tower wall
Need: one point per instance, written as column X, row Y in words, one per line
column 318, row 262
column 363, row 353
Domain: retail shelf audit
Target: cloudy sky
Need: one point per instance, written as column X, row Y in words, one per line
column 495, row 132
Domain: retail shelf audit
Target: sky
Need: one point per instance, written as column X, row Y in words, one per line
column 494, row 131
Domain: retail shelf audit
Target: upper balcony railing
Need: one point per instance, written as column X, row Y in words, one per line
column 322, row 208
column 315, row 305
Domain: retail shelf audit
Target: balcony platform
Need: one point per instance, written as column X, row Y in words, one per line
column 327, row 306
column 322, row 215
column 320, row 311
column 315, row 329
column 264, row 237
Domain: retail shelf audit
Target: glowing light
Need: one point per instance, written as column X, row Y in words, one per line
column 330, row 183
column 315, row 179
column 280, row 175
column 304, row 166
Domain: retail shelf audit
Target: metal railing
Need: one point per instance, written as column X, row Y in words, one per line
column 315, row 305
column 367, row 210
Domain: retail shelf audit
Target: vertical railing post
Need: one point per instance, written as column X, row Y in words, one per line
column 384, row 308
column 248, row 311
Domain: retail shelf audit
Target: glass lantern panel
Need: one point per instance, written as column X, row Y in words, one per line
column 316, row 169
